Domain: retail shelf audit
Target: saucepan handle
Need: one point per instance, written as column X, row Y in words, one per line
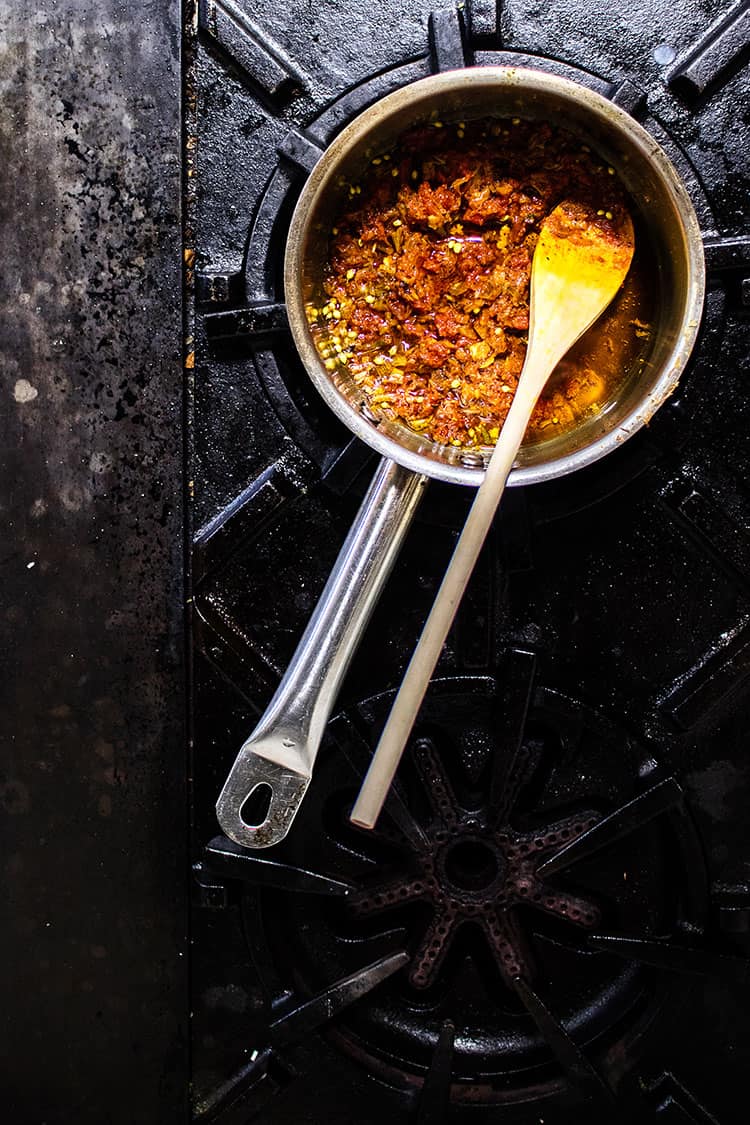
column 281, row 751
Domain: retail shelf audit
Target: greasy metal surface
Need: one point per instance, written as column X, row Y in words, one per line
column 93, row 940
column 629, row 583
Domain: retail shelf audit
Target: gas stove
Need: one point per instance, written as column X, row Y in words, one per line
column 551, row 921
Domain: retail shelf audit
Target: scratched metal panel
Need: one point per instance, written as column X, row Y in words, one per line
column 93, row 936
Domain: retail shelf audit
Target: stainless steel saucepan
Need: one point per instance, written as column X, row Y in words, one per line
column 280, row 753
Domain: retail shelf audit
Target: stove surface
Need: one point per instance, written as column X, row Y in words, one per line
column 552, row 920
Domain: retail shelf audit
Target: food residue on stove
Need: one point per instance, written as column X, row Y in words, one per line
column 426, row 290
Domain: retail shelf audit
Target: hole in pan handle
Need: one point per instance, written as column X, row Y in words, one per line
column 250, row 773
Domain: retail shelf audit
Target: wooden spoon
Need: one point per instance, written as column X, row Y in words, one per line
column 579, row 263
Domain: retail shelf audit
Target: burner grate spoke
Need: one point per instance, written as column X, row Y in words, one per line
column 356, row 751
column 303, row 153
column 347, row 464
column 509, row 769
column 724, row 45
column 259, row 268
column 676, row 1105
column 309, row 1017
column 254, row 322
column 706, row 523
column 396, row 810
column 674, row 957
column 728, row 253
column 225, row 858
column 580, row 1071
column 448, row 47
column 434, row 1097
column 628, row 96
column 231, row 651
column 252, row 49
column 629, row 818
column 247, row 516
column 712, row 681
column 227, row 1104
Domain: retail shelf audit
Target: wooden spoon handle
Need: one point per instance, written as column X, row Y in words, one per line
column 578, row 267
column 414, row 685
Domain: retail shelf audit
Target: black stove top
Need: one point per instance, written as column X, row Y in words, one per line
column 551, row 922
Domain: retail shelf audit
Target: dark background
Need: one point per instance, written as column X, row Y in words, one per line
column 93, row 933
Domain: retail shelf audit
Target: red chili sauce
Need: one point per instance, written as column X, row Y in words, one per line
column 426, row 287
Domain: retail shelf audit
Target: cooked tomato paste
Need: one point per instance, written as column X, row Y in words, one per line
column 426, row 291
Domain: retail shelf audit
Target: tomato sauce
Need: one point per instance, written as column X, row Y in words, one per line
column 426, row 288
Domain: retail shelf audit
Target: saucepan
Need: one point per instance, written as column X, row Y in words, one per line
column 275, row 764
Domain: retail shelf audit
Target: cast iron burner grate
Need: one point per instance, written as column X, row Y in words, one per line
column 484, row 947
column 521, row 929
column 639, row 873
